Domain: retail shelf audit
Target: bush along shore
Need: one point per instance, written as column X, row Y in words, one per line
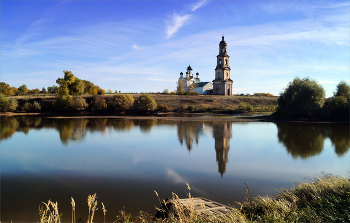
column 323, row 199
column 136, row 104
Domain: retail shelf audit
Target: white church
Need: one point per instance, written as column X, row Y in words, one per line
column 222, row 83
column 189, row 80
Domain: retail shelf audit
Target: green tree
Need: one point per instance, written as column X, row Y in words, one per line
column 180, row 87
column 301, row 98
column 145, row 103
column 337, row 106
column 23, row 89
column 123, row 102
column 77, row 87
column 65, row 83
column 43, row 90
column 343, row 89
column 53, row 89
column 7, row 105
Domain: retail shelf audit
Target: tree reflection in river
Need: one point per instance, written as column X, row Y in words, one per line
column 302, row 140
column 305, row 140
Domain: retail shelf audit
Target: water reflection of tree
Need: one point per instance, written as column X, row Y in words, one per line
column 340, row 138
column 305, row 140
column 188, row 132
column 7, row 128
column 145, row 124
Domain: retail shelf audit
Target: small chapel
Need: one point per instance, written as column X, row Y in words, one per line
column 222, row 84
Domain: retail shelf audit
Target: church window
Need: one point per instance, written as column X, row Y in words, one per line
column 226, row 62
column 220, row 61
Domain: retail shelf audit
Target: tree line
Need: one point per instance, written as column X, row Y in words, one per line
column 68, row 85
column 306, row 98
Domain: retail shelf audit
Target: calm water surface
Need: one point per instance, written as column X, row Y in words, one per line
column 124, row 161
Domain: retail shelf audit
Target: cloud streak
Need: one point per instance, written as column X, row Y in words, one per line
column 198, row 5
column 177, row 21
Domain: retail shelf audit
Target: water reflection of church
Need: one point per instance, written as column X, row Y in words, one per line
column 188, row 132
column 222, row 133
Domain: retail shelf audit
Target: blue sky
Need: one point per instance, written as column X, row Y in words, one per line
column 134, row 46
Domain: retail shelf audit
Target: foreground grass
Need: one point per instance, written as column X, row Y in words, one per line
column 323, row 199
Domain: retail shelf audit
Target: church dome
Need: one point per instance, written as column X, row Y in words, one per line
column 189, row 67
column 223, row 43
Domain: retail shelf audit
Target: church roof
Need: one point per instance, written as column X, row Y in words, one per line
column 202, row 84
column 223, row 43
column 189, row 67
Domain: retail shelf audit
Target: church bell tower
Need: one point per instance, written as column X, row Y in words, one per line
column 222, row 85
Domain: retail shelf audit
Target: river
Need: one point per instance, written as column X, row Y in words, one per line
column 123, row 161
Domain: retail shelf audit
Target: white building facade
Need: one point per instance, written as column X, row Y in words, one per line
column 194, row 83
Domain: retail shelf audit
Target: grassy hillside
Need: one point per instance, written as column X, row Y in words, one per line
column 178, row 103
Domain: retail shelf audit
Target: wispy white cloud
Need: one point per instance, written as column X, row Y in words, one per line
column 177, row 21
column 136, row 47
column 199, row 5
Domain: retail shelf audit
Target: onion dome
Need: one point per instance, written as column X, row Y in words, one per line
column 181, row 73
column 197, row 73
column 223, row 43
column 189, row 67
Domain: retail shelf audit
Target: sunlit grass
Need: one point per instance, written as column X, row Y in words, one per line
column 323, row 199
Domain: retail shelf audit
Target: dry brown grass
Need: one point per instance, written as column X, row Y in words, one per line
column 324, row 199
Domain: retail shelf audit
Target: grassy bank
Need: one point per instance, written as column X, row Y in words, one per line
column 324, row 199
column 104, row 104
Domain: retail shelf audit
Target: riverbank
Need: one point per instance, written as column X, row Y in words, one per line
column 113, row 104
column 172, row 116
column 323, row 199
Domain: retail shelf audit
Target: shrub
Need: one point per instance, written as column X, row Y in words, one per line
column 7, row 105
column 163, row 108
column 79, row 104
column 194, row 93
column 36, row 106
column 242, row 107
column 122, row 102
column 145, row 103
column 27, row 107
column 98, row 103
column 301, row 98
column 64, row 103
column 250, row 108
column 43, row 90
column 190, row 108
column 166, row 91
